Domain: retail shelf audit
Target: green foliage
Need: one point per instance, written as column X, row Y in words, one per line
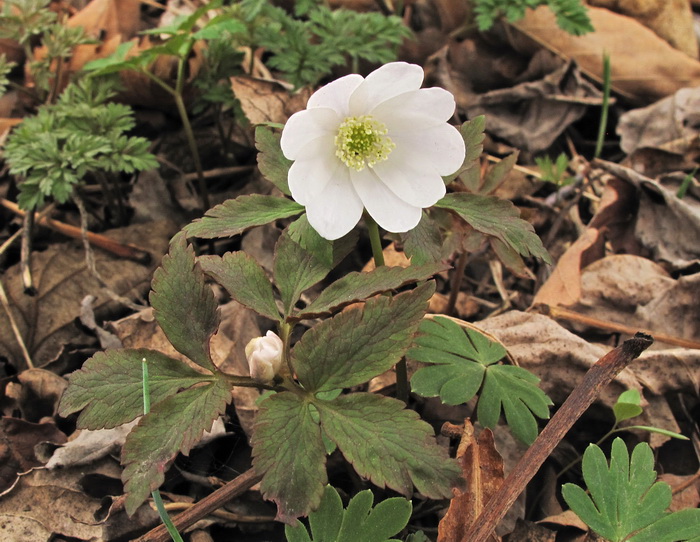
column 384, row 442
column 22, row 19
column 237, row 215
column 359, row 521
column 64, row 143
column 554, row 172
column 463, row 361
column 628, row 405
column 184, row 305
column 572, row 15
column 307, row 49
column 108, row 388
column 624, row 502
column 272, row 163
column 497, row 218
column 5, row 68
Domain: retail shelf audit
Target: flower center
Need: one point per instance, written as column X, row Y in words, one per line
column 362, row 141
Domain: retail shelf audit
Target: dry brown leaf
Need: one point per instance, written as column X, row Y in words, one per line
column 482, row 468
column 267, row 101
column 17, row 441
column 47, row 320
column 670, row 19
column 644, row 67
column 689, row 497
column 105, row 19
column 37, row 393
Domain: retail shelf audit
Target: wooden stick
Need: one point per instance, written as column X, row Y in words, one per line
column 568, row 314
column 204, row 507
column 128, row 251
column 597, row 377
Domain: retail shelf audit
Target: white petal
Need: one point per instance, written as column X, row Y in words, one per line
column 337, row 209
column 336, row 94
column 383, row 84
column 390, row 211
column 440, row 148
column 420, row 188
column 425, row 107
column 304, row 126
column 311, row 172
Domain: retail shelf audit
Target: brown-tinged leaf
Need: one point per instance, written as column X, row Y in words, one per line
column 482, row 468
column 47, row 320
column 37, row 393
column 267, row 101
column 17, row 441
column 644, row 67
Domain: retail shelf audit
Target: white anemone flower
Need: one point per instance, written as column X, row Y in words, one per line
column 379, row 143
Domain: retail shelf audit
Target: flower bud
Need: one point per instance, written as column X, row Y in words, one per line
column 264, row 356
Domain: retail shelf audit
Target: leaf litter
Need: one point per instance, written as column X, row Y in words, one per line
column 625, row 253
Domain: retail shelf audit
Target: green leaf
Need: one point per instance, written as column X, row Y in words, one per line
column 174, row 425
column 184, row 305
column 515, row 390
column 356, row 286
column 423, row 244
column 497, row 173
column 271, row 161
column 463, row 361
column 244, row 279
column 237, row 215
column 680, row 525
column 329, row 253
column 623, row 497
column 627, row 406
column 419, row 536
column 288, row 452
column 499, row 218
column 388, row 444
column 295, row 270
column 360, row 343
column 330, row 523
column 109, row 390
column 470, row 172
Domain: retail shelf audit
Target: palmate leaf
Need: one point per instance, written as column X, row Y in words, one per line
column 330, row 523
column 463, row 361
column 184, row 305
column 289, row 454
column 423, row 244
column 244, row 279
column 499, row 218
column 473, row 134
column 237, row 215
column 360, row 343
column 356, row 286
column 173, row 425
column 388, row 444
column 624, row 499
column 109, row 387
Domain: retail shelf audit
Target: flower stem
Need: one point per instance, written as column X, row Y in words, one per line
column 375, row 240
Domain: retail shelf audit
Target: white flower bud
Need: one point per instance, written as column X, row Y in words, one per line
column 264, row 356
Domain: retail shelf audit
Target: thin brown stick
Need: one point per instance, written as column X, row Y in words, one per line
column 597, row 377
column 568, row 314
column 15, row 328
column 25, row 262
column 128, row 251
column 204, row 507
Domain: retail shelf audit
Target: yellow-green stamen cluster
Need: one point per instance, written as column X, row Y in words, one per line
column 362, row 141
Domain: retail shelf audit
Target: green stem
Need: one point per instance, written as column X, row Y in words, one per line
column 606, row 105
column 375, row 240
column 189, row 133
column 285, row 334
column 162, row 512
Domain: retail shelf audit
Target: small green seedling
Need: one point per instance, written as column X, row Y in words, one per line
column 624, row 502
column 628, row 406
column 464, row 361
column 554, row 171
column 359, row 521
column 572, row 15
